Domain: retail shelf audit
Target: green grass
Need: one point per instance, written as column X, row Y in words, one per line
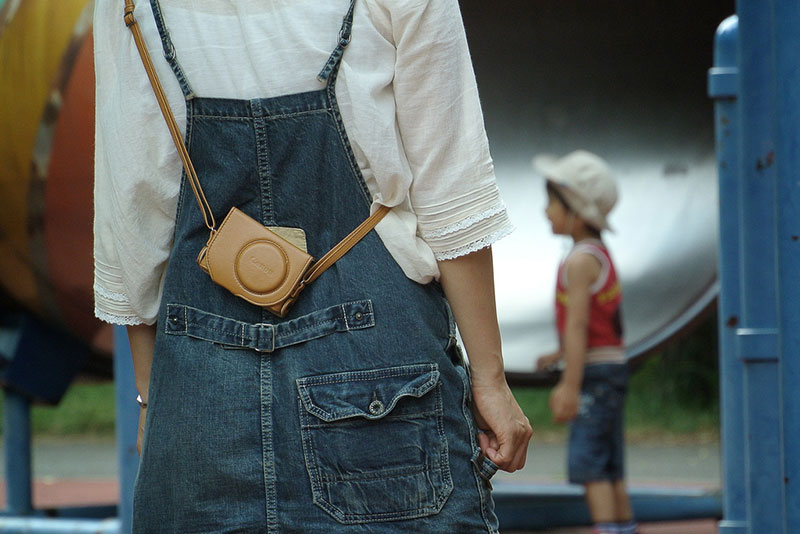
column 651, row 410
column 86, row 409
column 671, row 395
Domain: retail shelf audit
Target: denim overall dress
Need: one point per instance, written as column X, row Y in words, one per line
column 351, row 414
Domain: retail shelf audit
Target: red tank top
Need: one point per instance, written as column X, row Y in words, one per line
column 605, row 321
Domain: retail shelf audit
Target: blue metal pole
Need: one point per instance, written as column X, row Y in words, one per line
column 127, row 426
column 757, row 337
column 17, row 442
column 723, row 88
column 787, row 58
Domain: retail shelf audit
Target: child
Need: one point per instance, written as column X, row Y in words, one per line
column 581, row 192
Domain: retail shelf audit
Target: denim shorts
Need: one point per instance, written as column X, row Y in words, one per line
column 596, row 440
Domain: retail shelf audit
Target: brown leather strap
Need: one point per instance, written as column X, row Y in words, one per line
column 331, row 257
column 174, row 130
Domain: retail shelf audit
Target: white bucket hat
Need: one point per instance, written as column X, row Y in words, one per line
column 586, row 182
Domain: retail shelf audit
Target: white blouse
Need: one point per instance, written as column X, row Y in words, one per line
column 408, row 100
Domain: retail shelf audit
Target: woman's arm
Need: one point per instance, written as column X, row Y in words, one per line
column 468, row 283
column 142, row 339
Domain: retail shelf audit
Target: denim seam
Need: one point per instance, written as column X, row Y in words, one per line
column 363, row 376
column 445, row 452
column 344, row 315
column 267, row 446
column 385, row 473
column 390, row 417
column 265, row 117
column 321, row 413
column 263, row 163
column 310, row 458
column 232, row 118
column 479, row 481
column 183, row 190
column 345, row 141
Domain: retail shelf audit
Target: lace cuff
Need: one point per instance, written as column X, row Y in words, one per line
column 471, row 233
column 111, row 303
column 113, row 307
column 474, row 246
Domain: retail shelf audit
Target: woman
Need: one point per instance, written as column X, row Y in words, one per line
column 354, row 412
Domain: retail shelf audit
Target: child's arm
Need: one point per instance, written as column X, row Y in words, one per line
column 582, row 272
column 546, row 361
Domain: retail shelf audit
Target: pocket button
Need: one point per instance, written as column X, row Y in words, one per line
column 376, row 407
column 358, row 316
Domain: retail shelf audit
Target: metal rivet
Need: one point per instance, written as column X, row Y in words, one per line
column 376, row 407
column 174, row 320
column 359, row 316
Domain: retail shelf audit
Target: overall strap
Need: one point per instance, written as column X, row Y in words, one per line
column 331, row 68
column 169, row 50
column 332, row 255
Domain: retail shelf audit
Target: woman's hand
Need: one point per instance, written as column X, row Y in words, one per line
column 140, row 434
column 505, row 431
column 142, row 339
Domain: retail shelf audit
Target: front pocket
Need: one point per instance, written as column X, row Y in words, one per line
column 374, row 443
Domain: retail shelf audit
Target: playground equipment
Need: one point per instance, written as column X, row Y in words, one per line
column 754, row 81
column 623, row 80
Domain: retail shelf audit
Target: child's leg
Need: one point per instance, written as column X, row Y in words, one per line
column 601, row 500
column 624, row 512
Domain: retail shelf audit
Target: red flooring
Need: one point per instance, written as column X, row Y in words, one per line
column 60, row 493
column 705, row 526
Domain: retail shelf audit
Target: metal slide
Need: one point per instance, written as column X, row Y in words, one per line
column 626, row 80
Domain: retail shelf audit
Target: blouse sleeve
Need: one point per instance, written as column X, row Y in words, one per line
column 453, row 192
column 137, row 179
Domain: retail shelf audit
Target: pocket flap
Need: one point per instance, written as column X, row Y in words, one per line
column 368, row 394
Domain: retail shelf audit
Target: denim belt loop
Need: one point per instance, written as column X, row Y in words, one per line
column 262, row 342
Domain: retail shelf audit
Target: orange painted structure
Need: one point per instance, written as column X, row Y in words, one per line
column 46, row 140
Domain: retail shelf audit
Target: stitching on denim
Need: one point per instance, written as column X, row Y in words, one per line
column 345, row 141
column 200, row 329
column 183, row 190
column 447, row 477
column 360, row 413
column 396, row 472
column 359, row 418
column 246, row 118
column 235, row 118
column 263, row 163
column 312, row 466
column 372, row 374
column 296, row 114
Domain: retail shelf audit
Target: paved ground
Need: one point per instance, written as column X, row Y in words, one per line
column 695, row 465
column 83, row 472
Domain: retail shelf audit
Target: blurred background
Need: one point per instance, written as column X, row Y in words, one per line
column 626, row 80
